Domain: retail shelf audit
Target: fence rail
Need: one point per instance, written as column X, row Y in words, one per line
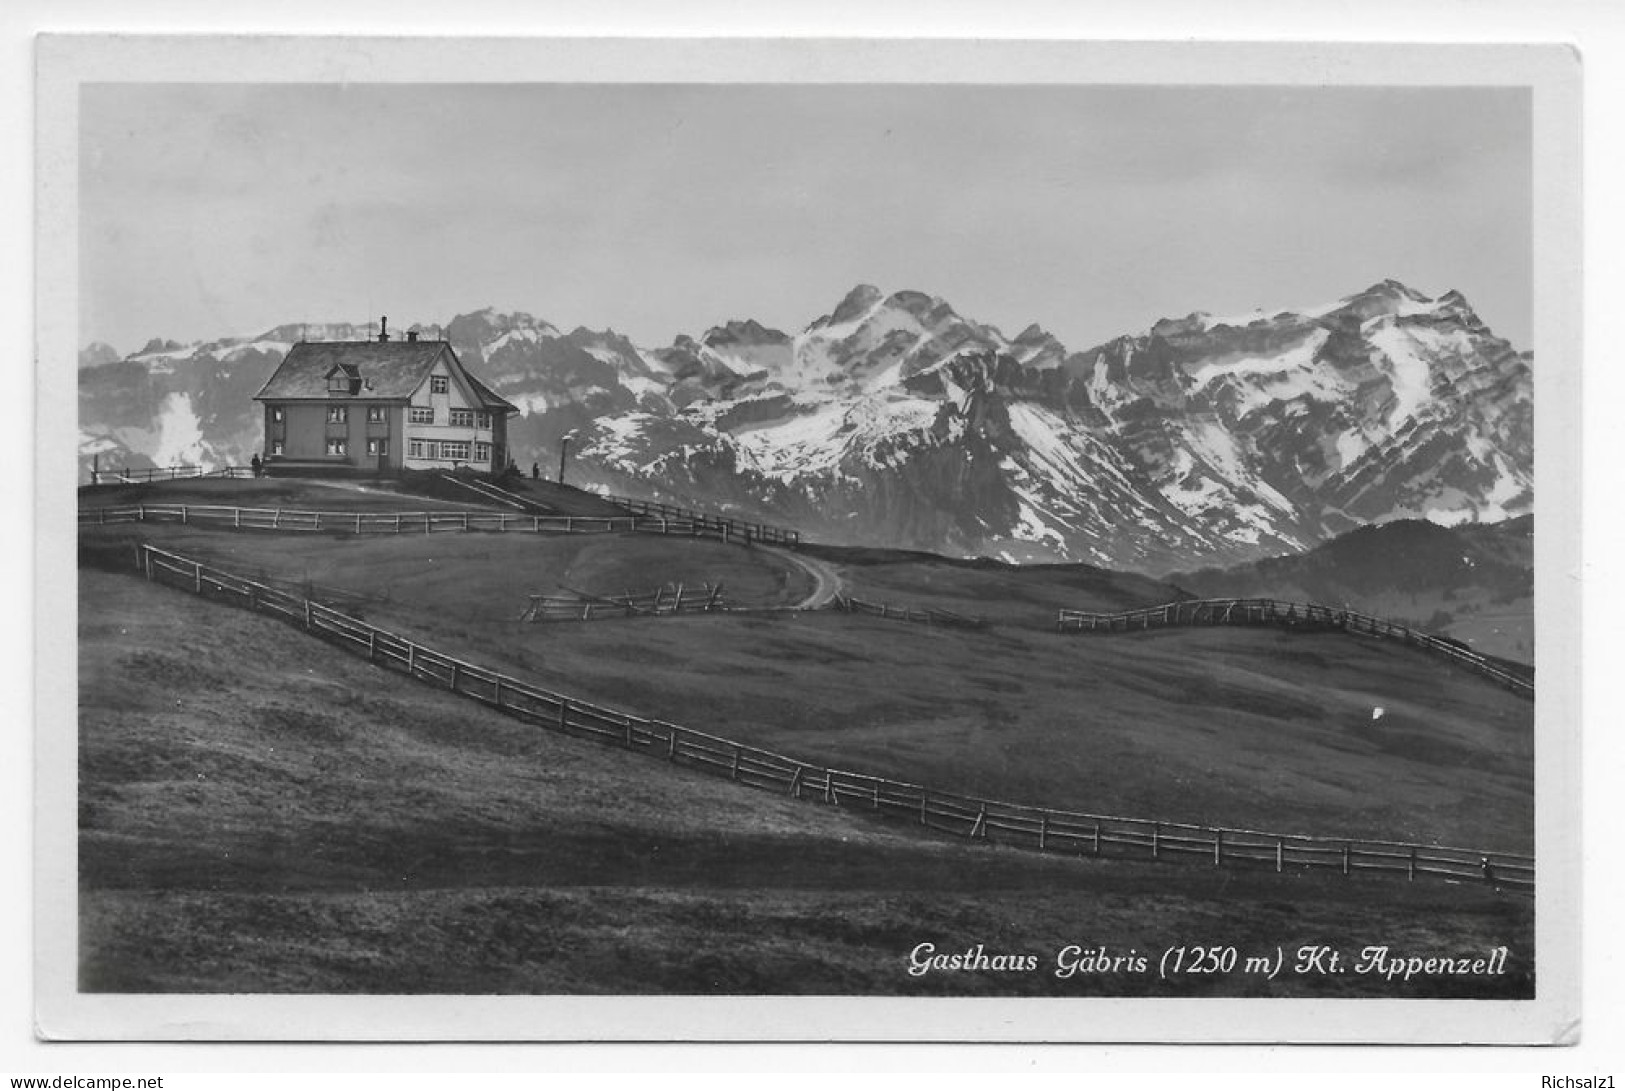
column 661, row 602
column 1203, row 612
column 1036, row 828
column 165, row 473
column 401, row 522
column 716, row 524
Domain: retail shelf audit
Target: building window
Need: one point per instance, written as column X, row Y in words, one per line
column 462, row 418
column 378, row 446
column 338, row 447
column 338, row 414
column 482, row 452
column 276, row 447
column 422, row 416
column 338, row 383
column 437, row 384
column 454, row 450
column 276, row 414
column 483, row 420
column 375, row 414
column 415, row 448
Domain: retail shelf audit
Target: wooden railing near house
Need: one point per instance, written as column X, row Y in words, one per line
column 410, row 522
column 165, row 473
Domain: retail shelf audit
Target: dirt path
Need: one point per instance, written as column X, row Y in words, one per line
column 827, row 582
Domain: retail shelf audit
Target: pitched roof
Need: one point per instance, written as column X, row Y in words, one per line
column 489, row 398
column 387, row 370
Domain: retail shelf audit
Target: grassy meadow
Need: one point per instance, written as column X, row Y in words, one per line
column 260, row 813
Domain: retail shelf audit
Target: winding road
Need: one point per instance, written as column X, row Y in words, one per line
column 827, row 582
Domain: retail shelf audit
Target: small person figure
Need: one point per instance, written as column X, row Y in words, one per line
column 535, row 470
column 256, row 465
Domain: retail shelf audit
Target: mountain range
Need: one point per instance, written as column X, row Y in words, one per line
column 895, row 421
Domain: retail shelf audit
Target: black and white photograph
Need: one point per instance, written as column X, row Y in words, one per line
column 603, row 530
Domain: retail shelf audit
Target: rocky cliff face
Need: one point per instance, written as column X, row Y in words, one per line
column 894, row 420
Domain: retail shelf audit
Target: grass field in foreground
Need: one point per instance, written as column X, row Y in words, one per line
column 257, row 813
column 1257, row 728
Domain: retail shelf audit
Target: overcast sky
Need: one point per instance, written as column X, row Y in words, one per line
column 209, row 211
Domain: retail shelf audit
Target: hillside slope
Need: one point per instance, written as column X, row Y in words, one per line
column 1168, row 724
column 260, row 815
column 1473, row 582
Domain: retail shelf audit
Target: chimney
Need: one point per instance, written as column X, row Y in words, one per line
column 383, row 328
column 411, row 335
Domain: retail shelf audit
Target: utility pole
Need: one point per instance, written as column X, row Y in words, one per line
column 564, row 453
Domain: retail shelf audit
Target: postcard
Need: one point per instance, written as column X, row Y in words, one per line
column 670, row 540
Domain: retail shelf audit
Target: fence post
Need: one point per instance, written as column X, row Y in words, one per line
column 1280, row 854
column 236, row 518
column 564, row 715
column 924, row 795
column 411, row 659
column 197, row 577
column 183, row 514
column 1095, row 848
column 1218, row 847
column 829, row 786
column 671, row 742
column 1411, row 871
column 456, row 674
column 734, row 773
column 372, row 645
column 1347, row 852
column 1156, row 840
column 308, row 624
column 1043, row 831
column 795, row 783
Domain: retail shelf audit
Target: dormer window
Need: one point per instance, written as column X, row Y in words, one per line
column 437, row 384
column 344, row 379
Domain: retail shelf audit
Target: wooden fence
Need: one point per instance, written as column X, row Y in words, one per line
column 850, row 605
column 760, row 532
column 1035, row 828
column 165, row 473
column 1203, row 612
column 407, row 522
column 661, row 602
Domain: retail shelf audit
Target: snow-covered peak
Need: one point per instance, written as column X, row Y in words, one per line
column 858, row 302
